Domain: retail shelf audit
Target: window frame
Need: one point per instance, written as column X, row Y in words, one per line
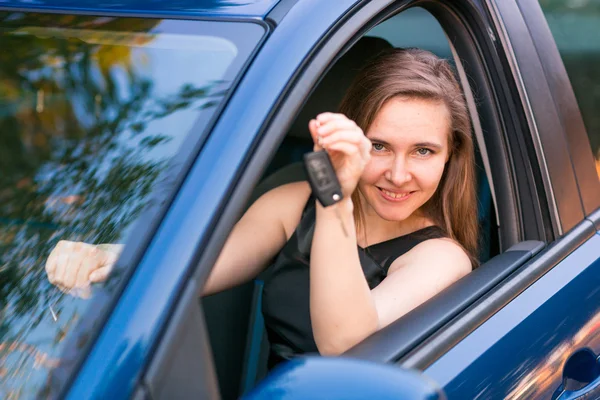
column 543, row 116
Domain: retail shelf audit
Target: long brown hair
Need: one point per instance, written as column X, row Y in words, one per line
column 415, row 73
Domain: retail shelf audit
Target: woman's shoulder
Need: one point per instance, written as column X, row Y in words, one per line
column 287, row 202
column 440, row 253
column 288, row 194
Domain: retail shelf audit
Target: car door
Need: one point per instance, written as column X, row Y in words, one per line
column 527, row 218
column 294, row 64
column 508, row 328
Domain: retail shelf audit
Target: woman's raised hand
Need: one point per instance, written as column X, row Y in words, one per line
column 347, row 145
column 72, row 266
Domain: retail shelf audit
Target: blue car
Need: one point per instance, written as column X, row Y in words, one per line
column 155, row 124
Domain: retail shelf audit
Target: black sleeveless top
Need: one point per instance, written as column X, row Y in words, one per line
column 285, row 303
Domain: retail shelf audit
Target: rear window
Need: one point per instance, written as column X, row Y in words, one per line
column 93, row 110
column 575, row 26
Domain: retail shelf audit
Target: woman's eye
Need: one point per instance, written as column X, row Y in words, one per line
column 378, row 147
column 423, row 151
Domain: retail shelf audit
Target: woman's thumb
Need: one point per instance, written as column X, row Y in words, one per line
column 100, row 274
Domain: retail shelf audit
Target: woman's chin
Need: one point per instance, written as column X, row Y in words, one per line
column 394, row 213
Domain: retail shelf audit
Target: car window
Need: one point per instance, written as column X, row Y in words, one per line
column 575, row 26
column 92, row 112
column 400, row 31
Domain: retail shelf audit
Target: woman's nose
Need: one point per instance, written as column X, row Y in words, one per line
column 398, row 173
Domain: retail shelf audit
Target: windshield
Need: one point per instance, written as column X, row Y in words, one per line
column 92, row 112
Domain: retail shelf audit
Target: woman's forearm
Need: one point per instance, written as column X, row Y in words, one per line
column 341, row 306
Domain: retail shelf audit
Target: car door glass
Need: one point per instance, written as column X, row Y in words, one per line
column 400, row 31
column 92, row 111
column 575, row 26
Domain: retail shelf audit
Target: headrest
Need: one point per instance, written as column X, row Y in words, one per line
column 328, row 95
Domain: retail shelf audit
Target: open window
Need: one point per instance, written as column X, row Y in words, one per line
column 503, row 171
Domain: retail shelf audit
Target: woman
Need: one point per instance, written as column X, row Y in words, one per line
column 402, row 150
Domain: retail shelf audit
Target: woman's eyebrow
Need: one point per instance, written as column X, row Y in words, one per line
column 379, row 141
column 428, row 144
column 433, row 145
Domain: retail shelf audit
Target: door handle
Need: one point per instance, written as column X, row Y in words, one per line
column 581, row 377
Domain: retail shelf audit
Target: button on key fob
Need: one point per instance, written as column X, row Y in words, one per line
column 322, row 178
column 324, row 182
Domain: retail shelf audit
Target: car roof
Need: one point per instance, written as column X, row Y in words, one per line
column 202, row 8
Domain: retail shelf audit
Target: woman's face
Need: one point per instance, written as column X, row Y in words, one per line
column 408, row 156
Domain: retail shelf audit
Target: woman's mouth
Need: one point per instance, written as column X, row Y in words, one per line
column 394, row 196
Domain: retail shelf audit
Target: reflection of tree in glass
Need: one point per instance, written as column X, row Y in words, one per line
column 584, row 73
column 584, row 6
column 575, row 25
column 76, row 156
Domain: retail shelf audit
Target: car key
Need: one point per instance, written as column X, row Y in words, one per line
column 323, row 181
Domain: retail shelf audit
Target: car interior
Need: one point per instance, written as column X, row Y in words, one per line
column 233, row 317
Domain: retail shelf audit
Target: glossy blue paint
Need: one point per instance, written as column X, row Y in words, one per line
column 204, row 8
column 121, row 351
column 520, row 351
column 326, row 378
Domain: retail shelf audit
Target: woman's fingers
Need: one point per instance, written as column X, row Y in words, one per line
column 349, row 136
column 76, row 256
column 349, row 149
column 63, row 258
column 70, row 266
column 313, row 125
column 335, row 125
column 51, row 265
column 362, row 145
column 325, row 117
column 100, row 274
column 365, row 148
column 89, row 263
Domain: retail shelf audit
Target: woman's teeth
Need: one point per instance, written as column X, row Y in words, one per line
column 395, row 195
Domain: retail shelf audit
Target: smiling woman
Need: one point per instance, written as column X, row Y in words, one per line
column 412, row 108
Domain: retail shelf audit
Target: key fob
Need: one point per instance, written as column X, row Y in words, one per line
column 322, row 178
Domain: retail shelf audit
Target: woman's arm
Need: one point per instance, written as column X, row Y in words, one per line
column 417, row 276
column 342, row 308
column 344, row 311
column 253, row 242
column 258, row 236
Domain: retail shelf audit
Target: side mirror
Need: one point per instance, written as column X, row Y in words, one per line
column 344, row 378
